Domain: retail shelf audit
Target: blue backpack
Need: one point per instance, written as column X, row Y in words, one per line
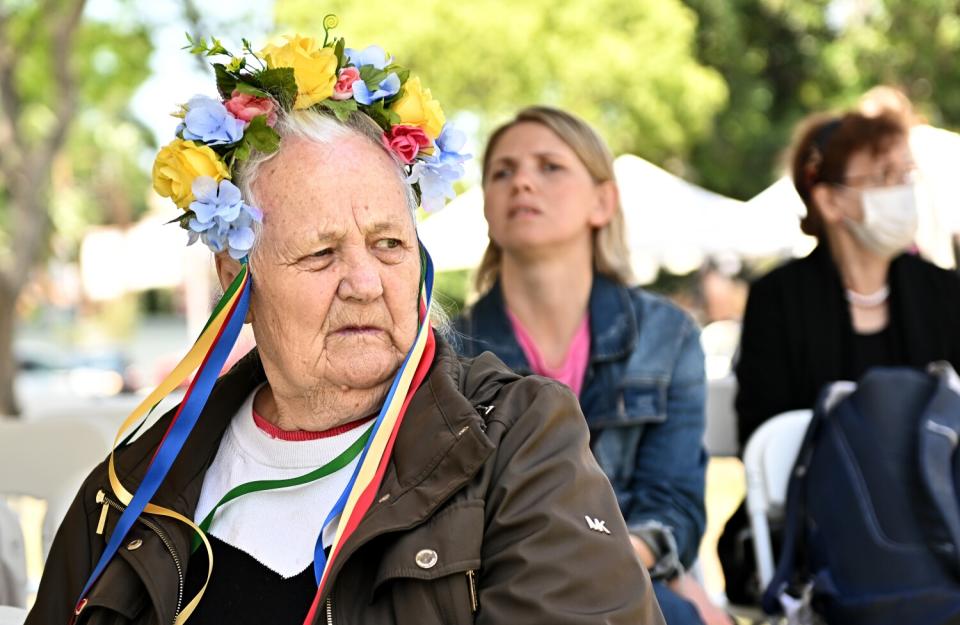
column 872, row 520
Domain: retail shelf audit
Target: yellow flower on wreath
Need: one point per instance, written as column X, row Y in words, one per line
column 179, row 163
column 416, row 107
column 314, row 67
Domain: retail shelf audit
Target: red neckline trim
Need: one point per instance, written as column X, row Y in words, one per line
column 273, row 431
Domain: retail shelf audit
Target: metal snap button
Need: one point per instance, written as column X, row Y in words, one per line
column 134, row 544
column 426, row 558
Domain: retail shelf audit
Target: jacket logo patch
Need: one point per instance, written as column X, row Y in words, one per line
column 597, row 525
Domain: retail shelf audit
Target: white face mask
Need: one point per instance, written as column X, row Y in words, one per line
column 889, row 219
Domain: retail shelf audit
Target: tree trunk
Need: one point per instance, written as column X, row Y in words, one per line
column 8, row 400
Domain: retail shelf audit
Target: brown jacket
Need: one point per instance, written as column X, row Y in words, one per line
column 490, row 470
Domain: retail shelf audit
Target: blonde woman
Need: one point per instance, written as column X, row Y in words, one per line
column 557, row 301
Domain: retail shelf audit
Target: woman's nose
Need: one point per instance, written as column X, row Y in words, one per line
column 522, row 180
column 360, row 280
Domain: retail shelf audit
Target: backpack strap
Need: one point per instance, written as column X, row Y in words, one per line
column 938, row 439
column 790, row 574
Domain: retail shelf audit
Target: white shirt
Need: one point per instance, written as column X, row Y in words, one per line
column 279, row 528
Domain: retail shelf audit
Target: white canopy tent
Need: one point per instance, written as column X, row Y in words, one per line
column 670, row 222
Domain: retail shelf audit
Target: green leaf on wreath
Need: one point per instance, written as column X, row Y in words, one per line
column 261, row 136
column 372, row 76
column 341, row 108
column 248, row 89
column 226, row 82
column 280, row 83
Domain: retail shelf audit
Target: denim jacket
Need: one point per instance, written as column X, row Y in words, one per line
column 643, row 399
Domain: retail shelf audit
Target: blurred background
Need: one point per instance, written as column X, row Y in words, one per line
column 99, row 299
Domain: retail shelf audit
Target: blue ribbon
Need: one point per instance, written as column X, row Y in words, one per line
column 190, row 412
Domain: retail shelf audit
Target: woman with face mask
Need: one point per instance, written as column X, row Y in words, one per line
column 861, row 299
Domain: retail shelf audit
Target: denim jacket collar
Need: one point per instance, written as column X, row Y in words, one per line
column 613, row 324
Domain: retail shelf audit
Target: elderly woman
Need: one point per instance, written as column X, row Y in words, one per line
column 352, row 468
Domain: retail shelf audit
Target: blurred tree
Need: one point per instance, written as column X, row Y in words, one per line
column 626, row 66
column 70, row 151
column 784, row 60
column 771, row 54
column 912, row 44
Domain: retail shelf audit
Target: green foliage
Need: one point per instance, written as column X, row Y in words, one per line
column 627, row 67
column 785, row 60
column 96, row 177
column 712, row 89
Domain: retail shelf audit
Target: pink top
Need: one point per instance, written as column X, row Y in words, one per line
column 574, row 365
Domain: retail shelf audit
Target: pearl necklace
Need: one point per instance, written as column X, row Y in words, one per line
column 873, row 300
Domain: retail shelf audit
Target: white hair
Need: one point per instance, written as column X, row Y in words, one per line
column 324, row 129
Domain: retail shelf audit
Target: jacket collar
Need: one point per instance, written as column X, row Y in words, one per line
column 613, row 324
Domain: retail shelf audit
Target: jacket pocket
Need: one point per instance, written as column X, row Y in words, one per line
column 431, row 572
column 634, row 403
column 616, row 434
column 118, row 598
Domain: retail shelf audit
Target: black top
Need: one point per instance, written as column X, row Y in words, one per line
column 798, row 336
column 877, row 349
column 242, row 591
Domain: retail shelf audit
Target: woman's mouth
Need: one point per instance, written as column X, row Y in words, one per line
column 523, row 211
column 358, row 331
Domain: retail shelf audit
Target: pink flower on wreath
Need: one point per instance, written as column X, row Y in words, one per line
column 246, row 107
column 343, row 90
column 406, row 142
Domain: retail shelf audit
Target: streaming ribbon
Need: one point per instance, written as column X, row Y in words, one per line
column 209, row 354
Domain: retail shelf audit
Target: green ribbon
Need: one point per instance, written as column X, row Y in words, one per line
column 345, row 458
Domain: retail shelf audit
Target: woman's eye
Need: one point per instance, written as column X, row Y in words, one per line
column 552, row 167
column 499, row 174
column 321, row 253
column 388, row 244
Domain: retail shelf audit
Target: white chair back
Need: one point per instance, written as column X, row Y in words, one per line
column 720, row 435
column 768, row 462
column 12, row 616
column 13, row 559
column 47, row 459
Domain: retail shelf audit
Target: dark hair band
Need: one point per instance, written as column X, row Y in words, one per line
column 826, row 132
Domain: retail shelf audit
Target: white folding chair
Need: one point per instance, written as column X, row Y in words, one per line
column 48, row 459
column 768, row 462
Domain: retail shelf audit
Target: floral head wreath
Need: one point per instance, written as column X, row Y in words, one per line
column 194, row 170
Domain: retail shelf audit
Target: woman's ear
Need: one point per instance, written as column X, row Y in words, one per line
column 608, row 198
column 825, row 198
column 227, row 270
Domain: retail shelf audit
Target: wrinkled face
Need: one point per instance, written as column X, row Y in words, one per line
column 336, row 271
column 537, row 192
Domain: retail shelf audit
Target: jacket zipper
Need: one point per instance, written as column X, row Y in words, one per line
column 472, row 587
column 106, row 501
column 330, row 610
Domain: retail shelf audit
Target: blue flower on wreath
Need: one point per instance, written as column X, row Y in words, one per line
column 388, row 87
column 371, row 55
column 221, row 219
column 436, row 173
column 376, row 57
column 209, row 121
